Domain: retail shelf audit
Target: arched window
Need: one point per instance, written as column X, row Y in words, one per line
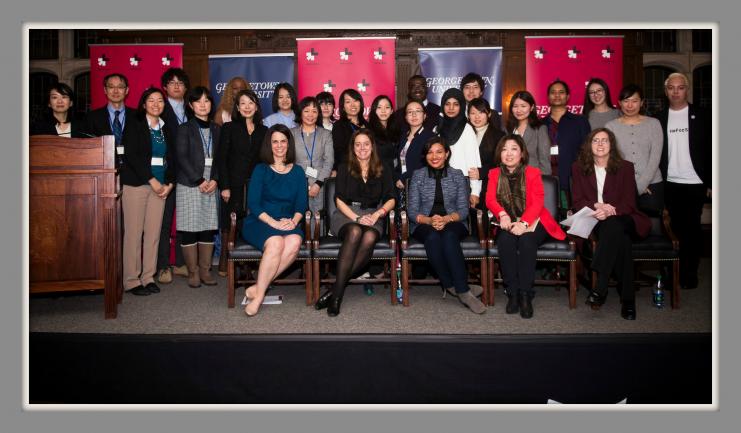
column 82, row 93
column 654, row 77
column 702, row 81
column 39, row 85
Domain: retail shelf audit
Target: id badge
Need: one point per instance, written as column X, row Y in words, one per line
column 209, row 161
column 120, row 150
column 158, row 161
column 312, row 172
column 554, row 150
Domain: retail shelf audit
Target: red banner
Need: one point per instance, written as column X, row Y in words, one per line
column 574, row 60
column 367, row 65
column 142, row 65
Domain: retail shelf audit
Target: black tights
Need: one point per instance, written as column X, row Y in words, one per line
column 355, row 253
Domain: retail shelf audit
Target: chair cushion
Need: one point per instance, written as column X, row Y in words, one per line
column 550, row 250
column 244, row 251
column 654, row 248
column 470, row 246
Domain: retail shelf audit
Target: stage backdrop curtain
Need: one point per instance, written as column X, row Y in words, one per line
column 367, row 65
column 262, row 71
column 574, row 60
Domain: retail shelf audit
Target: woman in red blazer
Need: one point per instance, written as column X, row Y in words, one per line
column 603, row 181
column 516, row 200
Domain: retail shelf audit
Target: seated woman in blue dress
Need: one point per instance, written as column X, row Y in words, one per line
column 438, row 208
column 364, row 195
column 277, row 200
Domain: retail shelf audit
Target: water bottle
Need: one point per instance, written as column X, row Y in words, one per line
column 658, row 293
column 399, row 290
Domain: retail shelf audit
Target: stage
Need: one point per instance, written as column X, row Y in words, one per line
column 185, row 346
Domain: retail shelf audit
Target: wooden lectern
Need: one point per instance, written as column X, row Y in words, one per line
column 74, row 214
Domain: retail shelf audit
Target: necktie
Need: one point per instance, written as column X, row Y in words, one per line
column 117, row 129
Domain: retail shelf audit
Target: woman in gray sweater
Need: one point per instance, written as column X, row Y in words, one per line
column 639, row 140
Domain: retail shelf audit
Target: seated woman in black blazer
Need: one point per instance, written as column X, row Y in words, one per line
column 364, row 195
column 147, row 178
column 59, row 119
column 438, row 208
column 197, row 199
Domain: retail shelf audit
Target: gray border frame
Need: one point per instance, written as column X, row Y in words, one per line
column 458, row 12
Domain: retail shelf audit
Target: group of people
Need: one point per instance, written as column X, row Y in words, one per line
column 180, row 154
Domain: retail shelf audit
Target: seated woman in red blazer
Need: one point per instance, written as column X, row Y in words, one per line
column 605, row 182
column 516, row 200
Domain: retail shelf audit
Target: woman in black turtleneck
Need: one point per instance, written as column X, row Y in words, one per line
column 351, row 119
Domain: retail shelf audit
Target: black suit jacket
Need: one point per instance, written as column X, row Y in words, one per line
column 98, row 123
column 190, row 156
column 47, row 126
column 137, row 143
column 700, row 143
column 238, row 154
column 171, row 125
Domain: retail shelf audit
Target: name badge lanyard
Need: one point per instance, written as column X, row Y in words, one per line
column 313, row 142
column 206, row 145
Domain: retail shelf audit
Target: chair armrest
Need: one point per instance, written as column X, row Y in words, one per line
column 317, row 223
column 392, row 224
column 307, row 228
column 404, row 229
column 666, row 224
column 232, row 231
column 480, row 226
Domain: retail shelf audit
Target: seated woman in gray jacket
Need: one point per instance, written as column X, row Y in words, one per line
column 438, row 208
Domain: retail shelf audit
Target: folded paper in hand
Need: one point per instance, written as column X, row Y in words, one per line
column 581, row 223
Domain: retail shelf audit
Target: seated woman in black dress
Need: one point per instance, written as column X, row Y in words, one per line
column 364, row 195
column 516, row 198
column 603, row 181
column 277, row 202
column 438, row 208
column 59, row 119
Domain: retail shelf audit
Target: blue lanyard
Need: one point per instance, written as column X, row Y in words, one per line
column 206, row 146
column 309, row 154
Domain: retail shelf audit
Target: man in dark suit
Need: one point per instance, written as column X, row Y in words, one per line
column 175, row 83
column 686, row 166
column 111, row 118
column 417, row 91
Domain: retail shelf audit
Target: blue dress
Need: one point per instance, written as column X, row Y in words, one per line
column 280, row 196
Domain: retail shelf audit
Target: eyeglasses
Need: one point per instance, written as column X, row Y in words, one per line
column 176, row 83
column 597, row 92
column 415, row 112
column 121, row 87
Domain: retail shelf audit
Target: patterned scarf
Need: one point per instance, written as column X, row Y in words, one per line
column 511, row 191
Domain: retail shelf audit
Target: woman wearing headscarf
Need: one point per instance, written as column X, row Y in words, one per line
column 460, row 136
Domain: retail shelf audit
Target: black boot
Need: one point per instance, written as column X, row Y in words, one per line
column 595, row 299
column 525, row 300
column 628, row 310
column 513, row 305
column 323, row 301
column 334, row 306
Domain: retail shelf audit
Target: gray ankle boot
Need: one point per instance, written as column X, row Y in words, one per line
column 472, row 302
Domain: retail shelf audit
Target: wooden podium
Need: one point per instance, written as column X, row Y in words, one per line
column 74, row 214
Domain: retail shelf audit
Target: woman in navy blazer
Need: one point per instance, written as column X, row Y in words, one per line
column 438, row 208
column 603, row 181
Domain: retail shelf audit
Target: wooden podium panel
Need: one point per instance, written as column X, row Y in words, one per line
column 74, row 218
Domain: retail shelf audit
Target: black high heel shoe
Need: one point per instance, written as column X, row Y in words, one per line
column 333, row 309
column 595, row 300
column 323, row 301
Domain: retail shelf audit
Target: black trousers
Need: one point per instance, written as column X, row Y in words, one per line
column 445, row 254
column 614, row 254
column 652, row 204
column 163, row 250
column 684, row 203
column 517, row 258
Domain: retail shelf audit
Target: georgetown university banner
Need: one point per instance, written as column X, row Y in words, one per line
column 142, row 64
column 573, row 60
column 262, row 71
column 445, row 67
column 367, row 65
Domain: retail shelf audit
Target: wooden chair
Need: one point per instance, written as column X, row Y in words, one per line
column 661, row 246
column 552, row 250
column 240, row 253
column 326, row 248
column 474, row 250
